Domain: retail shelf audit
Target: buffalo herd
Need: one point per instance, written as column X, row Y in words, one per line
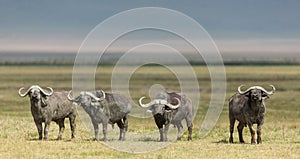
column 167, row 108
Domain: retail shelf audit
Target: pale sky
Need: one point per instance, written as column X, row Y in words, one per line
column 235, row 26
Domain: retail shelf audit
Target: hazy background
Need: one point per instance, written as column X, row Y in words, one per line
column 243, row 30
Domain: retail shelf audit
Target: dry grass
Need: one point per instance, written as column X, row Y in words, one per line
column 281, row 132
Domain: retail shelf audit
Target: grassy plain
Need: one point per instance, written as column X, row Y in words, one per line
column 281, row 131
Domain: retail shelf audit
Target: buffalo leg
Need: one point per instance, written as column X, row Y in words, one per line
column 39, row 127
column 179, row 127
column 72, row 125
column 190, row 129
column 104, row 130
column 161, row 133
column 96, row 130
column 160, row 126
column 189, row 124
column 240, row 128
column 252, row 134
column 259, row 133
column 122, row 130
column 46, row 129
column 61, row 124
column 125, row 119
column 166, row 132
column 231, row 127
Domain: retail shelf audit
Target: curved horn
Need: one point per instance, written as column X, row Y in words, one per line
column 257, row 87
column 144, row 105
column 69, row 96
column 25, row 94
column 93, row 96
column 268, row 92
column 243, row 92
column 43, row 91
column 273, row 89
column 174, row 106
column 35, row 86
column 103, row 95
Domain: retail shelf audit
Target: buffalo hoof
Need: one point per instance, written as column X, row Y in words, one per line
column 259, row 142
column 178, row 138
column 45, row 138
column 253, row 143
column 103, row 139
column 59, row 138
column 230, row 140
column 122, row 139
column 189, row 139
column 95, row 139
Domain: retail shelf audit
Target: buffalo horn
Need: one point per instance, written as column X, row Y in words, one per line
column 93, row 96
column 174, row 106
column 35, row 86
column 103, row 95
column 69, row 96
column 257, row 87
column 144, row 105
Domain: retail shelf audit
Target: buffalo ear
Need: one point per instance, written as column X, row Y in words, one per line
column 248, row 94
column 149, row 111
column 44, row 101
column 265, row 95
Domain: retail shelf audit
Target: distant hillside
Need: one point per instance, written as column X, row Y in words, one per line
column 112, row 58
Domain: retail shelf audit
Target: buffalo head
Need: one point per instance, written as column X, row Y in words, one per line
column 86, row 98
column 159, row 106
column 257, row 93
column 36, row 93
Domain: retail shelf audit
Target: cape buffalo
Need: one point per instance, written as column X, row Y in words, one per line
column 105, row 108
column 248, row 108
column 47, row 107
column 171, row 108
